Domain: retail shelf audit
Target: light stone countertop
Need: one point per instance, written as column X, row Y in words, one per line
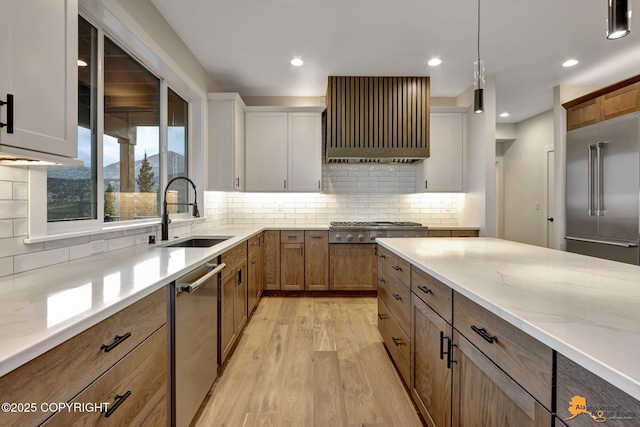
column 585, row 308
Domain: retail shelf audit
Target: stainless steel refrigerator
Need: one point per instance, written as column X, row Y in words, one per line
column 603, row 189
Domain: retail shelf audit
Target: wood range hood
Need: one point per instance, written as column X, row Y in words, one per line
column 377, row 119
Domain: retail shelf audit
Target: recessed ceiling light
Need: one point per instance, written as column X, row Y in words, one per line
column 569, row 62
column 297, row 62
column 82, row 63
column 505, row 114
column 434, row 62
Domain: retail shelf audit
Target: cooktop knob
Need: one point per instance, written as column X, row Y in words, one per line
column 349, row 237
column 360, row 237
column 338, row 237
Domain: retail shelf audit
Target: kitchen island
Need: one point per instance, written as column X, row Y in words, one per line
column 585, row 309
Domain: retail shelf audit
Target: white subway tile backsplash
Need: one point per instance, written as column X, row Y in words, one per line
column 20, row 191
column 6, row 228
column 40, row 259
column 20, row 227
column 6, row 190
column 79, row 251
column 13, row 173
column 13, row 209
column 15, row 246
column 6, row 266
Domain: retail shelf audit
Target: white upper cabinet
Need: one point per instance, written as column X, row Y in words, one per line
column 266, row 137
column 38, row 66
column 226, row 147
column 443, row 171
column 305, row 152
column 283, row 149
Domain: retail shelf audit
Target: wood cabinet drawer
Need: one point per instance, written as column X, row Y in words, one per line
column 577, row 386
column 395, row 264
column 65, row 370
column 234, row 256
column 158, row 416
column 396, row 297
column 433, row 292
column 254, row 242
column 292, row 236
column 464, row 233
column 396, row 340
column 133, row 387
column 521, row 356
column 438, row 233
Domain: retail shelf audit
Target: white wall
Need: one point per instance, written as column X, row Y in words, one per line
column 524, row 179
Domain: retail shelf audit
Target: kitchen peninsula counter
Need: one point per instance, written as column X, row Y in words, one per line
column 585, row 308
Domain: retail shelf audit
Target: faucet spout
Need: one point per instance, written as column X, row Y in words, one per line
column 165, row 213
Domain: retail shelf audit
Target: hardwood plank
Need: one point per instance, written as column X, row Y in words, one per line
column 306, row 361
column 329, row 408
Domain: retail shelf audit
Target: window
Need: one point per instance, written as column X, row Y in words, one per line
column 127, row 165
column 72, row 190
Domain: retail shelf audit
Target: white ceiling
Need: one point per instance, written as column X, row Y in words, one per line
column 246, row 45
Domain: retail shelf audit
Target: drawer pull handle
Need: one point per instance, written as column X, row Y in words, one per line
column 292, row 236
column 119, row 399
column 381, row 256
column 381, row 316
column 397, row 341
column 316, row 237
column 397, row 297
column 381, row 280
column 253, row 262
column 483, row 333
column 397, row 268
column 117, row 340
column 449, row 353
column 424, row 289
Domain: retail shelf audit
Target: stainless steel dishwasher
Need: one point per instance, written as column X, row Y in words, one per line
column 194, row 341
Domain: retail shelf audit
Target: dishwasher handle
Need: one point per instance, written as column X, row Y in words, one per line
column 192, row 287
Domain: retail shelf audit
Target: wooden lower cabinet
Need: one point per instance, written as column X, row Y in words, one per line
column 353, row 267
column 292, row 266
column 432, row 379
column 233, row 307
column 483, row 395
column 133, row 387
column 158, row 416
column 255, row 276
column 316, row 260
column 271, row 259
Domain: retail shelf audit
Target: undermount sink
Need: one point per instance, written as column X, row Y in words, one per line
column 197, row 242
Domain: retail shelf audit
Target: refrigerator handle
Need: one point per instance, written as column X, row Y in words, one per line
column 600, row 178
column 592, row 147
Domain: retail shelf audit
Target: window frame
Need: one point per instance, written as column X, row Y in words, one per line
column 39, row 227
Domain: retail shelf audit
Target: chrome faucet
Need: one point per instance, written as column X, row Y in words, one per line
column 165, row 213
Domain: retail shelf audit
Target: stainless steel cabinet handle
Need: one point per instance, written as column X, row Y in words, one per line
column 600, row 178
column 285, row 184
column 604, row 242
column 592, row 147
column 9, row 123
column 192, row 287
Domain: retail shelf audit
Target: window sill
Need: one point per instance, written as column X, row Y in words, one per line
column 107, row 229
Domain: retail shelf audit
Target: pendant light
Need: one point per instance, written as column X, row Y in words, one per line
column 478, row 77
column 618, row 20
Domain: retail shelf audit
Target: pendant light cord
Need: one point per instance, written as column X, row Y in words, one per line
column 478, row 33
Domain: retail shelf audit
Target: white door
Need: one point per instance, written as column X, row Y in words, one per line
column 266, row 151
column 550, row 224
column 38, row 66
column 305, row 152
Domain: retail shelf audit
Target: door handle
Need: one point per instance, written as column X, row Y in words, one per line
column 592, row 147
column 9, row 104
column 191, row 287
column 600, row 178
column 550, row 219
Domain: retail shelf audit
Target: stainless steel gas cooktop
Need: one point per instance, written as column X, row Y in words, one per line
column 367, row 231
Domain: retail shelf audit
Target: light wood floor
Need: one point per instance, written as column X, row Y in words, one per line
column 310, row 362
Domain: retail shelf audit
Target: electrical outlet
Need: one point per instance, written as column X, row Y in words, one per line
column 98, row 246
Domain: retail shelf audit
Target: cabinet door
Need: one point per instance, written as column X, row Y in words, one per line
column 238, row 152
column 305, row 152
column 353, row 267
column 266, row 151
column 432, row 378
column 316, row 260
column 444, row 169
column 292, row 266
column 227, row 309
column 254, row 280
column 226, row 142
column 240, row 309
column 271, row 257
column 483, row 395
column 39, row 51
